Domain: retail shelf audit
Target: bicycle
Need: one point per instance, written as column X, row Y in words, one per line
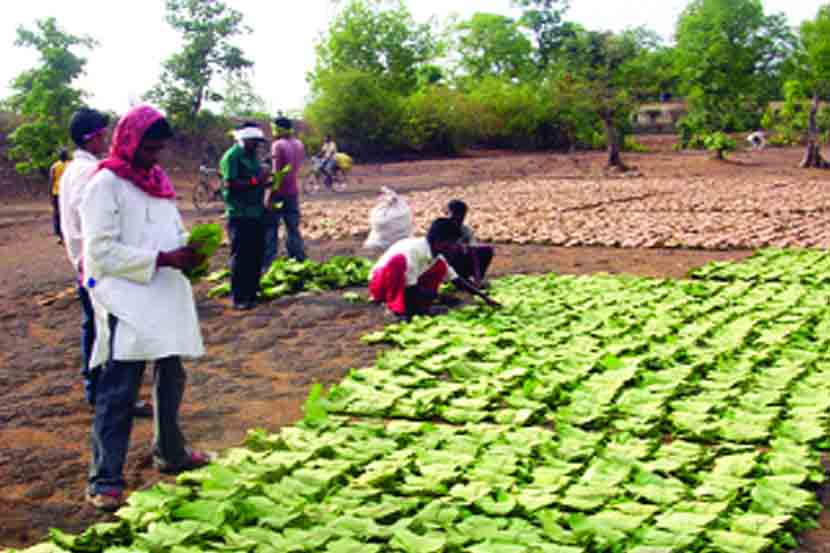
column 208, row 190
column 316, row 178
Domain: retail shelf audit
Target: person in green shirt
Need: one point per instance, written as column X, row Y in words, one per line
column 244, row 195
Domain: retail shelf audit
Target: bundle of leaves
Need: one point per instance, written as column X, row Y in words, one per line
column 206, row 238
column 288, row 276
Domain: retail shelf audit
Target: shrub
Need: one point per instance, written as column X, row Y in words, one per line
column 719, row 143
column 364, row 116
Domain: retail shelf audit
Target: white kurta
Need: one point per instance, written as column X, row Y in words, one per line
column 124, row 229
column 419, row 259
column 74, row 179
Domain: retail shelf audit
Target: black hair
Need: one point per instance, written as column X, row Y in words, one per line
column 84, row 122
column 160, row 130
column 283, row 122
column 457, row 207
column 63, row 155
column 248, row 125
column 443, row 230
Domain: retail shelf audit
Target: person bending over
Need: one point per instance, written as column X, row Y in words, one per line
column 407, row 277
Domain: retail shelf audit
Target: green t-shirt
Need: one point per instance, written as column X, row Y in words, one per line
column 236, row 165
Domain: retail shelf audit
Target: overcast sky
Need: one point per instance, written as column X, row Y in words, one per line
column 134, row 38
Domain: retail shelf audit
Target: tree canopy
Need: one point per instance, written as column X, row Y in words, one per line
column 44, row 94
column 493, row 45
column 187, row 78
column 729, row 57
column 371, row 37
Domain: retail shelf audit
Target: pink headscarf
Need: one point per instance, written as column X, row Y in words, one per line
column 125, row 142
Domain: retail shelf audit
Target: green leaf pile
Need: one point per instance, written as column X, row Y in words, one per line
column 591, row 414
column 207, row 238
column 288, row 276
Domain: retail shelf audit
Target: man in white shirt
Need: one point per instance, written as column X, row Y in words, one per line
column 408, row 276
column 88, row 129
column 134, row 254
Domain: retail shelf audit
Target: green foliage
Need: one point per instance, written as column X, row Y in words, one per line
column 607, row 72
column 437, row 119
column 729, row 57
column 526, row 115
column 364, row 115
column 814, row 56
column 720, row 143
column 186, row 82
column 545, row 19
column 206, row 238
column 380, row 39
column 657, row 416
column 288, row 276
column 492, row 45
column 43, row 95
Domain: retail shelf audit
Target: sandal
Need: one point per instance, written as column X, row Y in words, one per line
column 109, row 501
column 195, row 460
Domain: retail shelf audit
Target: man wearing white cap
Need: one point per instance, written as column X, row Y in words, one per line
column 244, row 193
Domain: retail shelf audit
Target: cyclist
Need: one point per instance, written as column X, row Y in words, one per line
column 328, row 159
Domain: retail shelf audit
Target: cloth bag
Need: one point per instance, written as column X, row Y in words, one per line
column 390, row 220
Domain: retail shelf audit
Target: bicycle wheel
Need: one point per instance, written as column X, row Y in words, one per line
column 202, row 195
column 341, row 181
column 311, row 184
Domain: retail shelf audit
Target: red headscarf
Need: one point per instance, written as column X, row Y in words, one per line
column 126, row 140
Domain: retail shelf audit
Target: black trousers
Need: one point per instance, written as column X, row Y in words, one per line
column 56, row 217
column 247, row 236
column 473, row 262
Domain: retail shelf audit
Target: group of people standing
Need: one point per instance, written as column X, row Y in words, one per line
column 129, row 248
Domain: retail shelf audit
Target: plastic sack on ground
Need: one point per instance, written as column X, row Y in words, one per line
column 390, row 220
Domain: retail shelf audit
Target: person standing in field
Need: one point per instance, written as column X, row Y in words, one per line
column 88, row 130
column 244, row 194
column 134, row 255
column 328, row 158
column 55, row 174
column 408, row 276
column 471, row 260
column 284, row 203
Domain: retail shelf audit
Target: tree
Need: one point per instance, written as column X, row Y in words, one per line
column 44, row 96
column 207, row 27
column 377, row 38
column 493, row 45
column 606, row 71
column 813, row 60
column 240, row 99
column 729, row 58
column 552, row 32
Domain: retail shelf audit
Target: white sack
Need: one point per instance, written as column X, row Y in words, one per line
column 390, row 220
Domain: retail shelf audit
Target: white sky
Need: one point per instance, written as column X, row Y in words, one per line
column 134, row 38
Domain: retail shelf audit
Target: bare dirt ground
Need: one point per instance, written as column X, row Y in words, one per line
column 260, row 364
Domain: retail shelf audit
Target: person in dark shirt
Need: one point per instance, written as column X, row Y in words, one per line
column 471, row 260
column 244, row 194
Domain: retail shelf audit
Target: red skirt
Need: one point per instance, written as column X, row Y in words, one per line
column 388, row 285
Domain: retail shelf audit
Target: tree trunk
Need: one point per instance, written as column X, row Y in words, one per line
column 812, row 157
column 613, row 139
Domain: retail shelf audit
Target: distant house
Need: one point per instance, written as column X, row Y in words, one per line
column 659, row 117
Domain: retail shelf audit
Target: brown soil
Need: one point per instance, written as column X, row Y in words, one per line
column 261, row 363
